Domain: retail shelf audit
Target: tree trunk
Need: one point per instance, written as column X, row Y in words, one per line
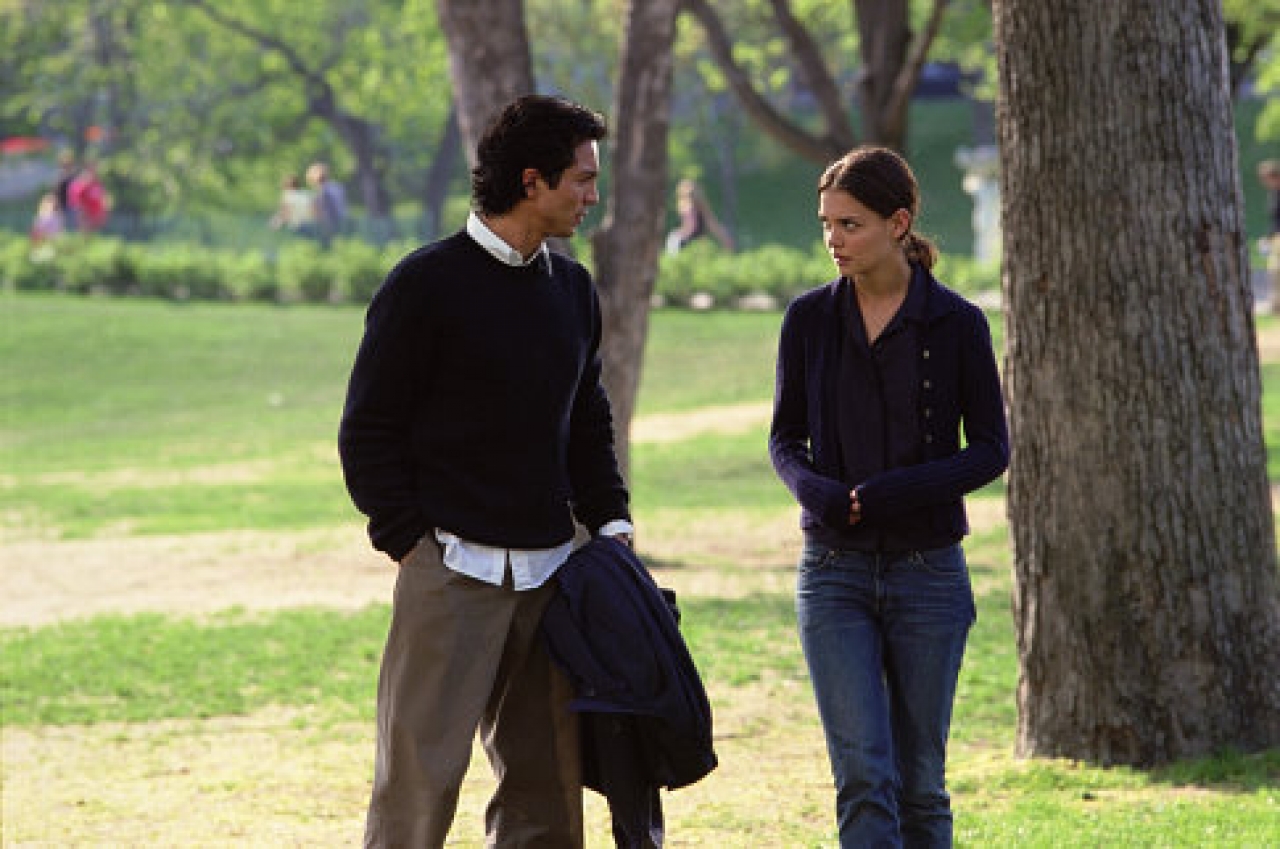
column 489, row 60
column 884, row 34
column 1146, row 596
column 435, row 190
column 626, row 247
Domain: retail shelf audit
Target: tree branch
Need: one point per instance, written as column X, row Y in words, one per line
column 319, row 92
column 816, row 75
column 815, row 148
column 909, row 73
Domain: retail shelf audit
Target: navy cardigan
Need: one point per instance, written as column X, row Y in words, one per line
column 960, row 388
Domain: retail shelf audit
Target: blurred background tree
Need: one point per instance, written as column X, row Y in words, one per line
column 197, row 108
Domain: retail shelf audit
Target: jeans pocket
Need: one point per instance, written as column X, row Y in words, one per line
column 816, row 557
column 945, row 562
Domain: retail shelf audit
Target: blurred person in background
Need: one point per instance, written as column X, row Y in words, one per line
column 1269, row 176
column 296, row 210
column 87, row 199
column 329, row 204
column 48, row 222
column 696, row 219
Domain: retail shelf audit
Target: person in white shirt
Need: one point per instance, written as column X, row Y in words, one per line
column 477, row 438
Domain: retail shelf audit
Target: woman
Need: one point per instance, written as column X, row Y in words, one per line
column 295, row 211
column 877, row 373
column 696, row 219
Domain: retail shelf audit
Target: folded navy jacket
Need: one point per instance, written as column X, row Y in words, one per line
column 646, row 721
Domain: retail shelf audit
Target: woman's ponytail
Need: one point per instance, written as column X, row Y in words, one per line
column 920, row 250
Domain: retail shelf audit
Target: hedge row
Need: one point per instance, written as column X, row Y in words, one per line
column 299, row 271
column 701, row 276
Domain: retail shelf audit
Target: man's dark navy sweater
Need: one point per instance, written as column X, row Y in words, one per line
column 475, row 403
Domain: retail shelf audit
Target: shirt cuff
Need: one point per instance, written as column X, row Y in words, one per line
column 617, row 526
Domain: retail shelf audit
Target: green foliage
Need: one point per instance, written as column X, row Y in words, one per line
column 177, row 271
column 300, row 271
column 703, row 275
column 703, row 268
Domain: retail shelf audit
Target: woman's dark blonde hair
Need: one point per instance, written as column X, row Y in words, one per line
column 880, row 179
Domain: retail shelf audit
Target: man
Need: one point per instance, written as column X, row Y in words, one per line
column 330, row 203
column 1269, row 176
column 475, row 431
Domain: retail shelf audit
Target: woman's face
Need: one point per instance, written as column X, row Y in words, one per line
column 859, row 240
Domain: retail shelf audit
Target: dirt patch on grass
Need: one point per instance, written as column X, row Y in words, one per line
column 719, row 553
column 47, row 580
column 726, row 420
column 1269, row 342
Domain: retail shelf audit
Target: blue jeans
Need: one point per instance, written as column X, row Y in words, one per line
column 883, row 636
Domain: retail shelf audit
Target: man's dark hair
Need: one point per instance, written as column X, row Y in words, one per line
column 535, row 131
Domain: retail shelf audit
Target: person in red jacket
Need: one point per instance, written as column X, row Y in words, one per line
column 87, row 198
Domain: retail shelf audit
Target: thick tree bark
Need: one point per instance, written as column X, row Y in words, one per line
column 489, row 60
column 626, row 247
column 1146, row 595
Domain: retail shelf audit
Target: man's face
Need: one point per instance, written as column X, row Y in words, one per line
column 558, row 211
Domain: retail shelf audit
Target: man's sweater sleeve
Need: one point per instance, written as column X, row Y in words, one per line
column 374, row 436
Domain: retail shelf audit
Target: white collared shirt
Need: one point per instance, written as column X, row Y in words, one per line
column 530, row 568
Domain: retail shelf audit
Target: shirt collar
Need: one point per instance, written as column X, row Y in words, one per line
column 493, row 243
column 915, row 304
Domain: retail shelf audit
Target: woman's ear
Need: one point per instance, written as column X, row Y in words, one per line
column 901, row 220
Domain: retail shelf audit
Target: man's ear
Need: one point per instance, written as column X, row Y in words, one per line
column 529, row 178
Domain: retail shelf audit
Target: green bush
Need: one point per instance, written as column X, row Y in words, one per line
column 358, row 269
column 248, row 277
column 967, row 275
column 304, row 272
column 705, row 270
column 88, row 265
column 350, row 271
column 23, row 268
column 180, row 272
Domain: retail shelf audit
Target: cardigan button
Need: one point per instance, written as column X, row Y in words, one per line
column 928, row 438
column 928, row 384
column 926, row 353
column 928, row 412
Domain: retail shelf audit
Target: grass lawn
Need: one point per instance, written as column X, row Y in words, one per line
column 253, row 727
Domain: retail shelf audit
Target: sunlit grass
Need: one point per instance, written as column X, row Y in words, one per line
column 145, row 417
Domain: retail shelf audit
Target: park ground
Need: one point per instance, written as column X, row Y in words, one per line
column 297, row 775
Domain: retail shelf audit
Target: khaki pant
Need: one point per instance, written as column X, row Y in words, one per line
column 463, row 655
